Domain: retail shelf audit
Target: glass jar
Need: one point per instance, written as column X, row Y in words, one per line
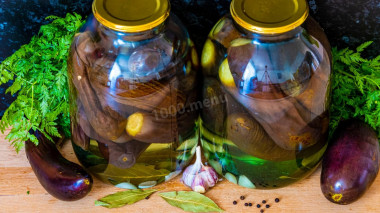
column 132, row 74
column 266, row 70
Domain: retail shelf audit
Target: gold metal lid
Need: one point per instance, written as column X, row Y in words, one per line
column 131, row 15
column 269, row 16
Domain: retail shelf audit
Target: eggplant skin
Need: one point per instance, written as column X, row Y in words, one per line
column 61, row 178
column 351, row 162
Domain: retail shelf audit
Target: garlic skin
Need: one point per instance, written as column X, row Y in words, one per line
column 199, row 184
column 198, row 176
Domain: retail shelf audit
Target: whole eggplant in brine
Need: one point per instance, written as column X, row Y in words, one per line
column 351, row 163
column 63, row 179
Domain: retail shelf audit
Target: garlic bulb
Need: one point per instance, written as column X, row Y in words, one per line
column 198, row 176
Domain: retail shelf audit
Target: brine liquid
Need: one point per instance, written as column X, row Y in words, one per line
column 158, row 163
column 236, row 165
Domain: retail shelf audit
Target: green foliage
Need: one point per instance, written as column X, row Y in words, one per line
column 39, row 74
column 355, row 87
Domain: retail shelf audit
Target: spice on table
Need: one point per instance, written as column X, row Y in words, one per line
column 147, row 197
column 258, row 205
column 242, row 197
column 262, row 210
column 267, row 206
column 264, row 201
column 235, row 202
column 277, row 200
column 245, row 204
column 250, row 204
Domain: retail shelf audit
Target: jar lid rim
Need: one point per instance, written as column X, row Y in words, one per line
column 269, row 16
column 131, row 16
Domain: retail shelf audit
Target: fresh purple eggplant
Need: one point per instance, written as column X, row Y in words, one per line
column 63, row 179
column 351, row 162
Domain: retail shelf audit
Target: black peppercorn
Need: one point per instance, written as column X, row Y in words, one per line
column 277, row 200
column 262, row 210
column 147, row 197
column 242, row 197
column 267, row 206
column 250, row 204
column 245, row 204
column 258, row 205
column 264, row 201
column 235, row 202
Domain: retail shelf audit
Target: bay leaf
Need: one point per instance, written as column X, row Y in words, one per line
column 158, row 147
column 136, row 174
column 188, row 144
column 190, row 201
column 123, row 198
column 215, row 138
column 214, row 148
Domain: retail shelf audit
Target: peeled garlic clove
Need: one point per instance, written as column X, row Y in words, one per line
column 244, row 181
column 230, row 177
column 147, row 184
column 126, row 185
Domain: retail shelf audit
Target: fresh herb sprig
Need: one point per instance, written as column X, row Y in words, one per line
column 355, row 87
column 39, row 74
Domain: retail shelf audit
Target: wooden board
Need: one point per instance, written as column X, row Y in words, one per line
column 16, row 178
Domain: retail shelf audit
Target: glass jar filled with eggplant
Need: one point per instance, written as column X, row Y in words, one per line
column 132, row 74
column 266, row 69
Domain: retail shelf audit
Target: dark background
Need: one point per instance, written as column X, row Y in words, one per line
column 346, row 22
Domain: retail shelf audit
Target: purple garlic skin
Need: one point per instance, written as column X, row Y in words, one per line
column 199, row 185
column 209, row 175
column 198, row 176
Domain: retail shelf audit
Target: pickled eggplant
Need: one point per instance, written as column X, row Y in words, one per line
column 272, row 128
column 125, row 155
column 225, row 32
column 102, row 123
column 131, row 98
column 215, row 112
column 249, row 136
column 296, row 133
column 142, row 127
column 80, row 137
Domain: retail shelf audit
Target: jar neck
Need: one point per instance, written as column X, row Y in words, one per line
column 269, row 38
column 135, row 36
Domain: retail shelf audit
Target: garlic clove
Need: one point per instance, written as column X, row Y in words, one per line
column 244, row 181
column 209, row 175
column 188, row 179
column 230, row 177
column 199, row 189
column 199, row 185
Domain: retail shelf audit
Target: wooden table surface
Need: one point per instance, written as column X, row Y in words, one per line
column 16, row 178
